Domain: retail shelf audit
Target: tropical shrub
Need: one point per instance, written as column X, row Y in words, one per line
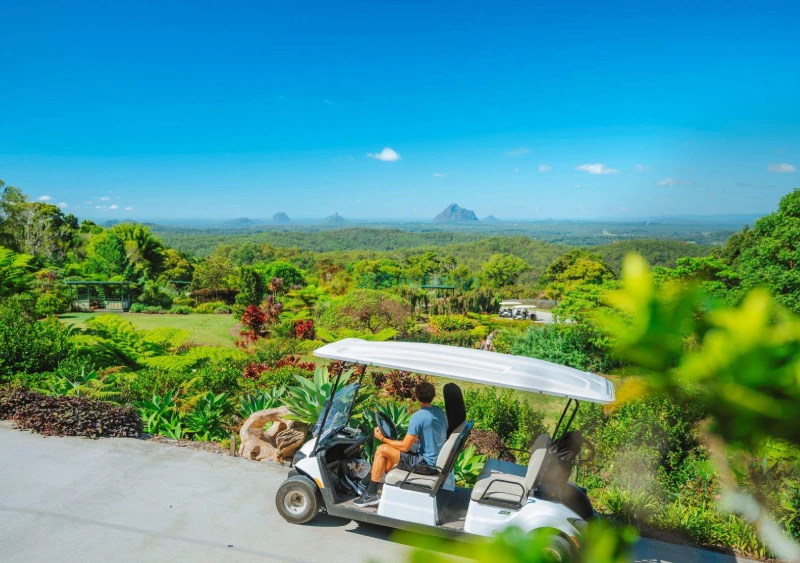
column 84, row 384
column 259, row 401
column 397, row 383
column 181, row 310
column 489, row 444
column 450, row 323
column 304, row 330
column 137, row 308
column 513, row 420
column 208, row 420
column 209, row 308
column 306, row 399
column 54, row 302
column 28, row 345
column 365, row 309
column 468, row 466
column 69, row 416
column 568, row 344
column 157, row 412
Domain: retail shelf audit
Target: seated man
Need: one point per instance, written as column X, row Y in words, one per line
column 427, row 433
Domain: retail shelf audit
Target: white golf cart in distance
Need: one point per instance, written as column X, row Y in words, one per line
column 507, row 308
column 506, row 494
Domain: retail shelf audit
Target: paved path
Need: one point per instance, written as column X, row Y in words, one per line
column 79, row 500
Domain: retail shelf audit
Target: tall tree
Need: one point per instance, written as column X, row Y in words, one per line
column 502, row 270
column 769, row 254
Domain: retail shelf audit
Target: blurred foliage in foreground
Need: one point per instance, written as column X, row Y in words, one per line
column 603, row 544
column 741, row 363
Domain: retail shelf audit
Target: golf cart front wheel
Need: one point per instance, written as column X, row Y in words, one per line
column 298, row 500
column 561, row 550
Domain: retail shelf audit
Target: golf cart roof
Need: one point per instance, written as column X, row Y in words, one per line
column 526, row 307
column 509, row 303
column 477, row 366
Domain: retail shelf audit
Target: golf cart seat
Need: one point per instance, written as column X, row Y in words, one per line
column 429, row 479
column 503, row 483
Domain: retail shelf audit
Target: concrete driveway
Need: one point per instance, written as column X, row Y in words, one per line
column 79, row 500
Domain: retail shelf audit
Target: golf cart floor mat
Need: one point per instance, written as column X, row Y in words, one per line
column 350, row 505
column 452, row 507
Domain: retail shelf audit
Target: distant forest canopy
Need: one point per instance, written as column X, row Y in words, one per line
column 201, row 241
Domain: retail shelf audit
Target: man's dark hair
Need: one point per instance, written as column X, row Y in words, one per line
column 425, row 392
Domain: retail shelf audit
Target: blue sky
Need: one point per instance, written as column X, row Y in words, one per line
column 517, row 109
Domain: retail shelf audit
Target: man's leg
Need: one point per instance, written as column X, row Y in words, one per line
column 386, row 457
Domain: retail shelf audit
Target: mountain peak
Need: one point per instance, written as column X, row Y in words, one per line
column 281, row 217
column 454, row 213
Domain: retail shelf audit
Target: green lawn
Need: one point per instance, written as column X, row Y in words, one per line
column 205, row 329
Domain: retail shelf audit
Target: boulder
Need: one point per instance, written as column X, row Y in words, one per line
column 278, row 443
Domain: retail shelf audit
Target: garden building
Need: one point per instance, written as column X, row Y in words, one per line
column 101, row 295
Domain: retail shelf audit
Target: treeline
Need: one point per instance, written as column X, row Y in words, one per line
column 202, row 241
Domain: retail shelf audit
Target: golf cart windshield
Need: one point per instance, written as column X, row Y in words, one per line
column 338, row 412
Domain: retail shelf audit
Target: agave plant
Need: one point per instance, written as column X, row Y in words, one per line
column 255, row 402
column 468, row 466
column 157, row 413
column 306, row 400
column 398, row 413
column 206, row 422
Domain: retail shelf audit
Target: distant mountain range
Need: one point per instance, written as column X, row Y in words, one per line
column 454, row 213
column 281, row 217
column 491, row 219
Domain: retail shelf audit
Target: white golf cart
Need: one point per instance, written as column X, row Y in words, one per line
column 507, row 308
column 538, row 496
column 524, row 312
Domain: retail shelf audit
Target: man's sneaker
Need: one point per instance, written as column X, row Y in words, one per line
column 367, row 500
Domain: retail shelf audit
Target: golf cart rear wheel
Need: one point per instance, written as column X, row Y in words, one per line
column 298, row 499
column 561, row 549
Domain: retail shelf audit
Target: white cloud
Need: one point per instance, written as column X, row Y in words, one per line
column 641, row 168
column 44, row 198
column 582, row 208
column 667, row 182
column 129, row 208
column 438, row 175
column 115, row 206
column 63, row 205
column 782, row 167
column 330, row 103
column 576, row 186
column 105, row 198
column 99, row 207
column 357, row 201
column 545, row 168
column 386, row 155
column 516, row 170
column 624, row 209
column 88, row 202
column 519, row 151
column 596, row 168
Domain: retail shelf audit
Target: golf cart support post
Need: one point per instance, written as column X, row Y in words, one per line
column 506, row 494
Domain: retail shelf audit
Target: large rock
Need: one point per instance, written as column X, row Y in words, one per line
column 278, row 443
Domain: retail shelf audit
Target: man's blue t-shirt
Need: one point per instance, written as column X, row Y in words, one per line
column 429, row 425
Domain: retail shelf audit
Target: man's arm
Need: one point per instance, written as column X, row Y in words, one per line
column 403, row 445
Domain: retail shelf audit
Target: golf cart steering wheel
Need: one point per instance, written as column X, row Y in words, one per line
column 386, row 426
column 587, row 451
